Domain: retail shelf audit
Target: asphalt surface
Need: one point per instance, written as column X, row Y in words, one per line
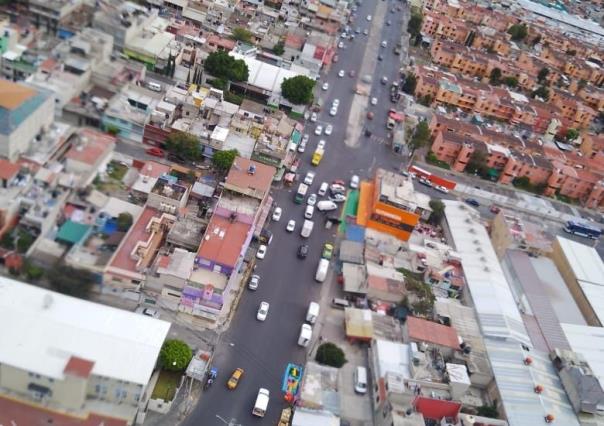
column 263, row 349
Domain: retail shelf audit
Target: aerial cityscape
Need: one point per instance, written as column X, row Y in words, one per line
column 301, row 212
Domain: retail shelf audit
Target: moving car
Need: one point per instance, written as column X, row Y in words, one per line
column 333, row 111
column 326, row 206
column 354, row 182
column 156, row 152
column 319, row 130
column 374, row 101
column 322, row 270
column 291, row 226
column 261, row 404
column 336, row 188
column 323, row 188
column 235, row 378
column 365, row 32
column 327, row 252
column 253, row 283
column 328, row 129
column 341, row 73
column 352, row 73
column 312, row 200
column 321, row 144
column 307, row 228
column 309, row 178
column 384, row 80
column 441, row 188
column 277, row 214
column 472, row 202
column 261, row 251
column 335, row 103
column 341, row 45
column 325, row 86
column 384, row 43
column 302, row 146
column 303, row 251
column 148, row 312
column 262, row 311
column 369, row 17
column 309, row 211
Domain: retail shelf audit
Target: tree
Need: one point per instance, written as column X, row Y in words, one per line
column 175, row 355
column 7, row 241
column 223, row 160
column 421, row 135
column 541, row 92
column 415, row 24
column 330, row 354
column 495, row 77
column 572, row 134
column 24, row 241
column 489, row 411
column 426, row 100
column 518, row 32
column 112, row 129
column 298, row 90
column 124, row 221
column 410, row 84
column 279, row 48
column 32, row 272
column 242, row 34
column 510, row 81
column 478, row 163
column 542, row 76
column 71, row 281
column 522, row 182
column 221, row 65
column 184, row 145
column 438, row 211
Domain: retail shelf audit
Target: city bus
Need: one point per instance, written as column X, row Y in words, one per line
column 583, row 230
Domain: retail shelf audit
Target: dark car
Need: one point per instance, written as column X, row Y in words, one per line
column 472, row 202
column 303, row 251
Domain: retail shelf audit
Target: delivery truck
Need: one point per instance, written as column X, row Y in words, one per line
column 261, row 403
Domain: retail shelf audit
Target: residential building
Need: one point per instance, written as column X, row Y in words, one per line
column 25, row 113
column 123, row 20
column 168, row 195
column 389, row 204
column 90, row 153
column 53, row 13
column 583, row 271
column 510, row 231
column 99, row 364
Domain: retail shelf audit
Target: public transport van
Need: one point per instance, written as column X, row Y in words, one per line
column 313, row 312
column 322, row 270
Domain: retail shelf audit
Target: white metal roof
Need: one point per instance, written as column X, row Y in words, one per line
column 40, row 330
column 392, row 357
column 493, row 299
column 589, row 342
column 588, row 268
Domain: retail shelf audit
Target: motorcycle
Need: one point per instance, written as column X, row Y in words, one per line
column 211, row 378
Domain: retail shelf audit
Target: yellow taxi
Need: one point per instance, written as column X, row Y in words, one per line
column 234, row 379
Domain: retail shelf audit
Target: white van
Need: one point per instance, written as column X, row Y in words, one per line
column 156, row 87
column 305, row 335
column 326, row 206
column 323, row 189
column 310, row 210
column 313, row 312
column 322, row 270
column 360, row 380
column 261, row 403
column 307, row 228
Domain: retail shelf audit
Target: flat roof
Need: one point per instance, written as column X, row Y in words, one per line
column 12, row 95
column 92, row 145
column 223, row 240
column 240, row 175
column 589, row 342
column 493, row 300
column 41, row 330
column 431, row 332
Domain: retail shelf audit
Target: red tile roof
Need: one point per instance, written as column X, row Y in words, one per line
column 79, row 367
column 261, row 180
column 223, row 241
column 8, row 170
column 16, row 413
column 422, row 330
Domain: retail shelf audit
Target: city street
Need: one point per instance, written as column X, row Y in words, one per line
column 263, row 349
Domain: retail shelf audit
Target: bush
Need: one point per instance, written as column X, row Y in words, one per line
column 8, row 241
column 71, row 281
column 223, row 160
column 112, row 130
column 124, row 221
column 24, row 241
column 175, row 355
column 32, row 272
column 432, row 159
column 233, row 98
column 330, row 354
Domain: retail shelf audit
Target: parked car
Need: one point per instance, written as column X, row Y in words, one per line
column 254, row 282
column 328, row 129
column 314, row 117
column 319, row 130
column 341, row 73
column 262, row 311
column 261, row 251
column 354, row 182
column 338, row 198
column 156, row 152
column 309, row 178
column 335, row 103
column 333, row 111
column 302, row 147
column 148, row 312
column 308, row 212
column 374, row 101
column 327, row 251
column 303, row 251
column 323, row 189
column 325, row 86
column 321, row 144
column 472, row 202
column 277, row 214
column 311, row 200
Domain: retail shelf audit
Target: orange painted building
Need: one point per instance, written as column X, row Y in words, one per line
column 389, row 204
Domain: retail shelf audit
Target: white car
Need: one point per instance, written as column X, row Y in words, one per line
column 325, row 86
column 365, row 32
column 328, row 129
column 254, row 281
column 261, row 252
column 313, row 117
column 323, row 188
column 441, row 189
column 321, row 144
column 308, row 212
column 148, row 312
column 305, row 138
column 319, row 130
column 384, row 43
column 354, row 182
column 277, row 214
column 374, row 101
column 302, row 147
column 341, row 45
column 262, row 311
column 338, row 198
column 333, row 111
column 335, row 103
column 312, row 199
column 291, row 226
column 369, row 17
column 341, row 73
column 309, row 178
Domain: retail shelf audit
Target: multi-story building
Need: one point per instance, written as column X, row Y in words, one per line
column 389, row 204
column 53, row 13
column 98, row 365
column 509, row 231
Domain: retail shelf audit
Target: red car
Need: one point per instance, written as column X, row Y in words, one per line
column 156, row 152
column 339, row 182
